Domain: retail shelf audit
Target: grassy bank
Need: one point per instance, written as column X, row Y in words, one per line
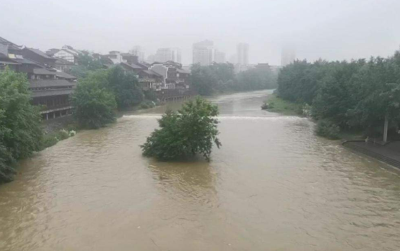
column 278, row 105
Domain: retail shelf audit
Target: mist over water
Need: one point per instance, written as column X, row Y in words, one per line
column 272, row 186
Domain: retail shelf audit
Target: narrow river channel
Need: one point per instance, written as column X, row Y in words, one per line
column 272, row 186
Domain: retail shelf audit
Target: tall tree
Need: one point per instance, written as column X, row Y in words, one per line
column 20, row 122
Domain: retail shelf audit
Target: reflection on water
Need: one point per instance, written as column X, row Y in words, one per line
column 272, row 186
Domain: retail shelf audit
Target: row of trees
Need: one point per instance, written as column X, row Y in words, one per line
column 222, row 78
column 356, row 95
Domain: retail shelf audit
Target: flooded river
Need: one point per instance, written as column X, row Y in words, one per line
column 272, row 186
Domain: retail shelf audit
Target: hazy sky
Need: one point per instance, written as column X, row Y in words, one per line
column 329, row 29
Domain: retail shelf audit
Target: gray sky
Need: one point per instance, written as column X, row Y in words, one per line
column 328, row 29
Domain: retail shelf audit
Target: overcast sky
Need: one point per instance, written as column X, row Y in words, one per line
column 328, row 29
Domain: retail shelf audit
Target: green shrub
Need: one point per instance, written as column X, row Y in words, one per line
column 48, row 141
column 327, row 129
column 191, row 130
column 63, row 134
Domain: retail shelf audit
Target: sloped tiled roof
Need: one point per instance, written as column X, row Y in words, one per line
column 42, row 71
column 40, row 53
column 46, row 93
column 64, row 75
column 48, row 83
column 5, row 42
column 62, row 61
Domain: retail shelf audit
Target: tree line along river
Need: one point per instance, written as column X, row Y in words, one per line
column 272, row 186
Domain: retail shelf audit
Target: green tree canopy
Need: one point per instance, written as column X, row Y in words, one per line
column 125, row 87
column 20, row 122
column 94, row 105
column 191, row 130
column 355, row 95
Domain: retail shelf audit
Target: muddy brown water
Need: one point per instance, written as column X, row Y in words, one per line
column 272, row 186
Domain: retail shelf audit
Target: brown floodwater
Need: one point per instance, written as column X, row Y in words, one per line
column 272, row 186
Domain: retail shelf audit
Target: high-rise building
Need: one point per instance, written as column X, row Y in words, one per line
column 168, row 54
column 243, row 54
column 139, row 52
column 288, row 56
column 203, row 52
column 219, row 57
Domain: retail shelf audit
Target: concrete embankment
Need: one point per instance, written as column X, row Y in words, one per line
column 389, row 153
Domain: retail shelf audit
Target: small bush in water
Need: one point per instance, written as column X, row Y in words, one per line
column 191, row 130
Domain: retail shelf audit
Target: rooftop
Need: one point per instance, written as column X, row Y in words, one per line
column 42, row 71
column 65, row 75
column 47, row 83
column 40, row 53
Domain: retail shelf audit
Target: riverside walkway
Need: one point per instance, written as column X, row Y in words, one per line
column 389, row 153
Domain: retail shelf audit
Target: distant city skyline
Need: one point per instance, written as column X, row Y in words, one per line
column 242, row 54
column 329, row 29
column 203, row 52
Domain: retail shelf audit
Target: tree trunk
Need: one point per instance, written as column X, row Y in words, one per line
column 385, row 129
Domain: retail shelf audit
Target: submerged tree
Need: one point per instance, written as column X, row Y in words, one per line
column 190, row 131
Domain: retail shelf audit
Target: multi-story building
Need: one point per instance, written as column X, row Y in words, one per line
column 242, row 54
column 49, row 88
column 174, row 77
column 219, row 57
column 67, row 52
column 288, row 56
column 168, row 54
column 139, row 52
column 203, row 52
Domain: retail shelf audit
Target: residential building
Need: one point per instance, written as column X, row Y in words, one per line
column 288, row 56
column 63, row 65
column 219, row 57
column 51, row 52
column 168, row 54
column 49, row 88
column 203, row 52
column 148, row 79
column 174, row 77
column 139, row 52
column 242, row 54
column 151, row 59
column 67, row 52
column 115, row 57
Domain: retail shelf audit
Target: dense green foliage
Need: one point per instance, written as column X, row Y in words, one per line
column 191, row 130
column 327, row 129
column 222, row 78
column 100, row 93
column 354, row 95
column 20, row 126
column 86, row 64
column 94, row 105
column 125, row 87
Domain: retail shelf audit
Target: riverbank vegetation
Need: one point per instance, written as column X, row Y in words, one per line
column 220, row 78
column 99, row 95
column 353, row 96
column 20, row 123
column 189, row 131
column 276, row 104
